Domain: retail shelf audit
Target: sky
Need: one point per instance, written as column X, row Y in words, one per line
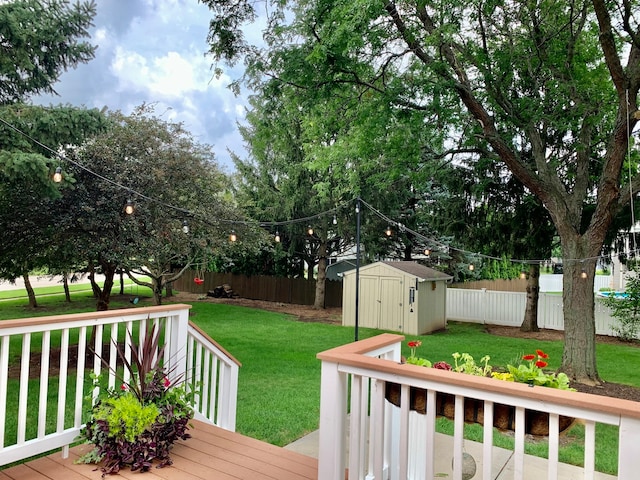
column 153, row 51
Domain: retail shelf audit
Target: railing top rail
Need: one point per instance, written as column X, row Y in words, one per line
column 203, row 334
column 354, row 355
column 80, row 317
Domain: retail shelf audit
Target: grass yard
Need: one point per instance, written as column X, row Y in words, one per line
column 279, row 385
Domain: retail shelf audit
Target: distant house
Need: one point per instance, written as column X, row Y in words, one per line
column 397, row 296
column 336, row 270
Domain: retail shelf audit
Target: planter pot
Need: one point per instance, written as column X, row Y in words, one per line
column 536, row 423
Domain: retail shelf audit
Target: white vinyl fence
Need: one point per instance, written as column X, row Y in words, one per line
column 507, row 308
column 553, row 282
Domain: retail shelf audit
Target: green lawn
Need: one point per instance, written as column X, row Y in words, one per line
column 279, row 385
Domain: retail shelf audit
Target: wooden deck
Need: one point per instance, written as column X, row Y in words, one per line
column 211, row 453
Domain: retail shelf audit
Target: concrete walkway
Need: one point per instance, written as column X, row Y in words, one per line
column 535, row 467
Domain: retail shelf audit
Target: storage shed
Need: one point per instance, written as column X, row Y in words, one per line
column 399, row 296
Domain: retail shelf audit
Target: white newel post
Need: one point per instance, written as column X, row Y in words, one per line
column 628, row 458
column 333, row 415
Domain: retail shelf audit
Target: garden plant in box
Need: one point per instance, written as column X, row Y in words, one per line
column 137, row 424
column 529, row 371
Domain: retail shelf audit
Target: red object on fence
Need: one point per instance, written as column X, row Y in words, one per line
column 198, row 281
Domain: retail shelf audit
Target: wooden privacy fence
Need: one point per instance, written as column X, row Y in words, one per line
column 299, row 291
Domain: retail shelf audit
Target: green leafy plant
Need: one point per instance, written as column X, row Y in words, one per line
column 532, row 372
column 139, row 423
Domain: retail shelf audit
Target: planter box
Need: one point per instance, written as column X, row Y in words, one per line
column 536, row 423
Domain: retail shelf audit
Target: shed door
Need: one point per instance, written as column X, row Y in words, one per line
column 369, row 308
column 390, row 301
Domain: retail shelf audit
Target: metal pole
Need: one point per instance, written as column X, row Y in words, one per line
column 357, row 263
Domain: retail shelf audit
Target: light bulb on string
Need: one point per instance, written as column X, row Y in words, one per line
column 523, row 275
column 388, row 231
column 471, row 267
column 427, row 252
column 233, row 237
column 57, row 176
column 129, row 208
column 277, row 237
column 335, row 220
column 583, row 273
column 185, row 226
column 310, row 230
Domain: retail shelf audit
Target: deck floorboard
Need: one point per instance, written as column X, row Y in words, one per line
column 212, row 452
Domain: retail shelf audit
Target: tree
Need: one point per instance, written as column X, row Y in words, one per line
column 550, row 89
column 167, row 177
column 40, row 40
column 29, row 234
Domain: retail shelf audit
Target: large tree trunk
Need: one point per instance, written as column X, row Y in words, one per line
column 530, row 322
column 65, row 284
column 322, row 276
column 157, row 290
column 104, row 293
column 33, row 303
column 579, row 355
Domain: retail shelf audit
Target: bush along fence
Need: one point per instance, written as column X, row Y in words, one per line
column 299, row 291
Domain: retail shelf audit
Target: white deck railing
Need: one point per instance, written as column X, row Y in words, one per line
column 382, row 442
column 43, row 398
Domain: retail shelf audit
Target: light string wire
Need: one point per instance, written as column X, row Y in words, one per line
column 332, row 211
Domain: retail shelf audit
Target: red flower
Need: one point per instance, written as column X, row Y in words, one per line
column 123, row 387
column 166, row 382
column 528, row 357
column 541, row 354
column 414, row 344
column 541, row 364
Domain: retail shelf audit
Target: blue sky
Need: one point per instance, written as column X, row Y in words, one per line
column 153, row 51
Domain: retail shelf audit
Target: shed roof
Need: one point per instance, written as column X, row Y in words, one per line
column 418, row 270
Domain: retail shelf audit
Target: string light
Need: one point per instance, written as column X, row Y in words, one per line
column 523, row 275
column 129, row 208
column 427, row 252
column 335, row 220
column 388, row 232
column 233, row 237
column 583, row 273
column 310, row 230
column 185, row 227
column 471, row 267
column 277, row 237
column 57, row 176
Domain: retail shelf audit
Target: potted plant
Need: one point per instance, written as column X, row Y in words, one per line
column 529, row 371
column 137, row 424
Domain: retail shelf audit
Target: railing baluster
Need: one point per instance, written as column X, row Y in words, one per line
column 24, row 387
column 589, row 450
column 458, row 437
column 518, row 451
column 62, row 379
column 554, row 444
column 44, row 383
column 215, row 367
column 113, row 355
column 403, row 457
column 80, row 367
column 198, row 376
column 487, row 438
column 205, row 381
column 4, row 382
column 97, row 348
column 128, row 334
column 430, row 454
